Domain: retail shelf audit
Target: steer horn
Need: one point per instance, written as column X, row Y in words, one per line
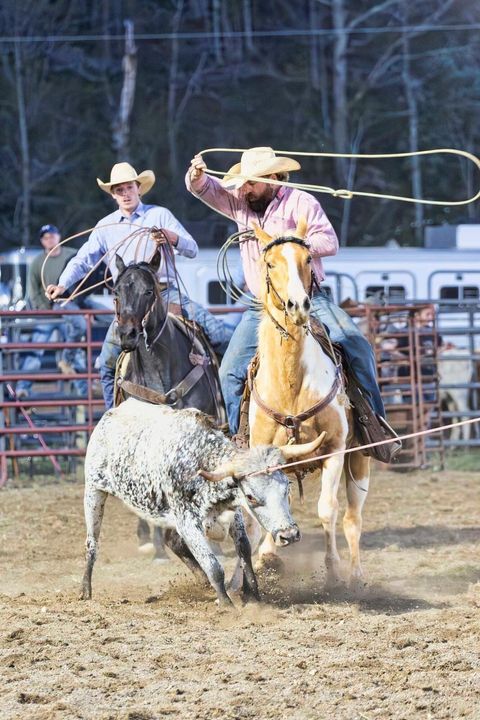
column 293, row 452
column 219, row 474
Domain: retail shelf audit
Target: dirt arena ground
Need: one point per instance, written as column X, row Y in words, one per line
column 151, row 644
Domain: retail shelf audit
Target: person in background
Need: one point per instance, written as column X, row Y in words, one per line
column 111, row 236
column 72, row 328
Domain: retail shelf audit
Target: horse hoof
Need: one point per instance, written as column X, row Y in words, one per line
column 160, row 560
column 334, row 582
column 357, row 586
column 270, row 562
column 146, row 548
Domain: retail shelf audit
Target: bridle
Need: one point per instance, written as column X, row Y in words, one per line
column 292, row 423
column 150, row 308
column 271, row 288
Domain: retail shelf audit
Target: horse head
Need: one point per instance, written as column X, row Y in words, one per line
column 136, row 296
column 286, row 273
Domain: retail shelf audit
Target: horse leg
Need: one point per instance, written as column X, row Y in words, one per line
column 94, row 504
column 327, row 512
column 357, row 474
column 143, row 535
column 267, row 556
column 159, row 545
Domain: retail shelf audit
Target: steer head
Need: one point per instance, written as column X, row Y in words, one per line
column 264, row 493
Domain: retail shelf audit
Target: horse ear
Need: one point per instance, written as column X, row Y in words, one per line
column 119, row 263
column 262, row 237
column 156, row 260
column 301, row 229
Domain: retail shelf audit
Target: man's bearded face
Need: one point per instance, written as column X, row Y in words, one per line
column 258, row 195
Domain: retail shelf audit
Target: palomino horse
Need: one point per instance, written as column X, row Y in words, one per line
column 162, row 357
column 296, row 377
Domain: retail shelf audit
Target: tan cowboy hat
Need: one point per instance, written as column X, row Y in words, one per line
column 257, row 162
column 124, row 172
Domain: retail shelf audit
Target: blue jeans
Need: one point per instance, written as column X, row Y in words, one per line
column 217, row 332
column 243, row 345
column 72, row 328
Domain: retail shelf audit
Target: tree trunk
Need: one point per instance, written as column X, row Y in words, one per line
column 347, row 204
column 247, row 24
column 121, row 124
column 314, row 46
column 172, row 92
column 412, row 105
column 216, row 22
column 24, row 149
column 340, row 111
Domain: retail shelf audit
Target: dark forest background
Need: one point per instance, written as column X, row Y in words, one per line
column 318, row 75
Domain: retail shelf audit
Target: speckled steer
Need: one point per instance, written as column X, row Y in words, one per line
column 173, row 468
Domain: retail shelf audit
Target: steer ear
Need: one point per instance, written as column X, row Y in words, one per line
column 292, row 452
column 220, row 473
column 262, row 237
column 119, row 263
column 301, row 229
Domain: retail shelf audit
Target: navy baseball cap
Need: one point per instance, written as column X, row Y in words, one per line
column 47, row 229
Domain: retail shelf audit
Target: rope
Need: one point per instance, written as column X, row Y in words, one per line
column 349, row 194
column 138, row 235
column 273, row 468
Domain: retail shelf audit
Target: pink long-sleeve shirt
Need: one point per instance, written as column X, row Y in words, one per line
column 280, row 218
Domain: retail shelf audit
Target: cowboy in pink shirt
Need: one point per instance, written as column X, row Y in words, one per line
column 278, row 218
column 276, row 209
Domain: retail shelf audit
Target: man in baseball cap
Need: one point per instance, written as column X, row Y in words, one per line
column 71, row 327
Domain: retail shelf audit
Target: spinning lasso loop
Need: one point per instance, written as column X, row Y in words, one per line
column 348, row 194
column 225, row 277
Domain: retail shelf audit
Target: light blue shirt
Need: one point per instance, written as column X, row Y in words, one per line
column 113, row 235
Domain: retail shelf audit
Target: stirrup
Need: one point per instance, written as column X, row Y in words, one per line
column 396, row 445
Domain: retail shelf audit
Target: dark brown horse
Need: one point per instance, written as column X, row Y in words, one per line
column 167, row 360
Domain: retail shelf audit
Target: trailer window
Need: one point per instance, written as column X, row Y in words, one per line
column 390, row 293
column 459, row 292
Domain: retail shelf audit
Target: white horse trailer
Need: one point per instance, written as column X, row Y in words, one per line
column 448, row 275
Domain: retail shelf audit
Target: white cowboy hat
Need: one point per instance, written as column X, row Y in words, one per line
column 257, row 162
column 124, row 172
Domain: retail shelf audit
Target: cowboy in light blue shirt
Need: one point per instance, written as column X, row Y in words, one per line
column 121, row 233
